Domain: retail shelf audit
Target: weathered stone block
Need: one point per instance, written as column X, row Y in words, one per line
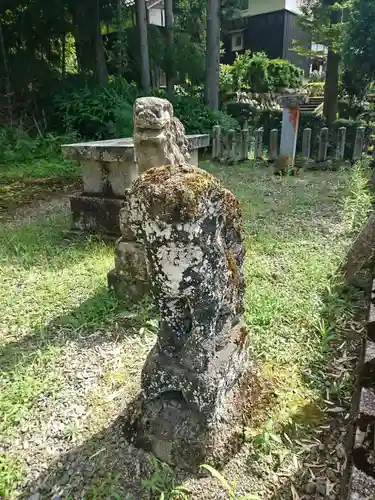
column 195, row 379
column 94, row 214
column 130, row 276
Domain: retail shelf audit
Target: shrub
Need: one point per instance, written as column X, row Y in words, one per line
column 226, row 78
column 257, row 73
column 95, row 111
column 17, row 147
column 350, row 108
column 197, row 118
column 317, row 77
column 315, row 89
column 282, row 74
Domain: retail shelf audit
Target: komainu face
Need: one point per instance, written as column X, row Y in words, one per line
column 152, row 113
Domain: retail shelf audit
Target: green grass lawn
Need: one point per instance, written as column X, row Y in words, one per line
column 71, row 355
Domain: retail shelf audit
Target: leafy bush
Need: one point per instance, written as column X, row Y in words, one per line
column 350, row 108
column 258, row 73
column 282, row 74
column 197, row 118
column 17, row 147
column 317, row 77
column 315, row 89
column 95, row 111
column 25, row 157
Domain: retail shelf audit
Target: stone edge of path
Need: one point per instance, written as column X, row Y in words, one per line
column 361, row 484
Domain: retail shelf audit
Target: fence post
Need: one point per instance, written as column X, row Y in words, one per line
column 274, row 145
column 216, row 142
column 340, row 146
column 245, row 142
column 258, row 143
column 289, row 127
column 359, row 141
column 231, row 146
column 323, row 145
column 306, row 143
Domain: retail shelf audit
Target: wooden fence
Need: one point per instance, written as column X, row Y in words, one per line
column 235, row 146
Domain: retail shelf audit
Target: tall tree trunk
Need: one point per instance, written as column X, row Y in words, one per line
column 211, row 86
column 331, row 88
column 119, row 37
column 8, row 85
column 169, row 60
column 63, row 56
column 101, row 63
column 143, row 44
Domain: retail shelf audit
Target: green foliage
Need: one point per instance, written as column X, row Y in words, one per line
column 226, row 79
column 316, row 77
column 10, row 474
column 359, row 47
column 264, row 440
column 230, row 489
column 24, row 157
column 96, row 111
column 316, row 18
column 351, row 108
column 315, row 89
column 257, row 73
column 282, row 74
column 162, row 482
column 198, row 118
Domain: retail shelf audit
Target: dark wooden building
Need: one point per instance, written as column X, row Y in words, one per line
column 269, row 29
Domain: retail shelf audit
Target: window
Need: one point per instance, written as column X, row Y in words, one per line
column 243, row 4
column 237, row 41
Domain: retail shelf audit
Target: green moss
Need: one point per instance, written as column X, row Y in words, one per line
column 175, row 192
column 232, row 264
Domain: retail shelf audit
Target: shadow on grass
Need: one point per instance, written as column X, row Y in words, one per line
column 105, row 466
column 97, row 320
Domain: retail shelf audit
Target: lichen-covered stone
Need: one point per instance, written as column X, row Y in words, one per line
column 159, row 137
column 194, row 378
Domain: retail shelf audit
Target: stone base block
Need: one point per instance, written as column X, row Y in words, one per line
column 96, row 215
column 130, row 277
column 187, row 418
column 183, row 437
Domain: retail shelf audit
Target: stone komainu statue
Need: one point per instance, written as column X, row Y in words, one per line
column 159, row 137
column 194, row 381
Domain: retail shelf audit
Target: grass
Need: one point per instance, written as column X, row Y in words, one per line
column 32, row 168
column 64, row 338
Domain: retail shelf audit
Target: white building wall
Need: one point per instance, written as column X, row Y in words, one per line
column 293, row 5
column 256, row 7
column 156, row 16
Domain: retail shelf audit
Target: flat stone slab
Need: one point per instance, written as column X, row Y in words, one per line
column 114, row 150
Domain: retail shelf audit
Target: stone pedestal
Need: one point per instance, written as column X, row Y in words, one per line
column 195, row 381
column 108, row 169
column 95, row 215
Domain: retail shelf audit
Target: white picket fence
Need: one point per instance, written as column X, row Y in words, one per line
column 233, row 146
